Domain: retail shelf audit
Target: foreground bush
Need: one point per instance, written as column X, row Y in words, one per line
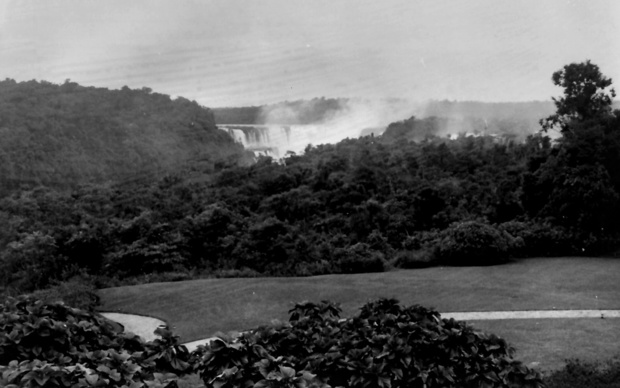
column 385, row 345
column 53, row 345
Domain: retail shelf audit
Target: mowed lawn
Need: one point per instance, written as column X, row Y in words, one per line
column 199, row 308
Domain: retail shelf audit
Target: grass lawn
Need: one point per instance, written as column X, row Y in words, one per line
column 199, row 308
column 547, row 343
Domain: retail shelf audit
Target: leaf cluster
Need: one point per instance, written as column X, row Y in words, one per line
column 53, row 345
column 474, row 242
column 385, row 345
column 577, row 374
column 587, row 95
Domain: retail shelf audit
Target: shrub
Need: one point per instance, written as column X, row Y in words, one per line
column 541, row 239
column 318, row 267
column 414, row 259
column 578, row 374
column 385, row 345
column 474, row 243
column 422, row 240
column 359, row 258
column 170, row 276
column 53, row 345
column 31, row 262
column 77, row 292
column 237, row 273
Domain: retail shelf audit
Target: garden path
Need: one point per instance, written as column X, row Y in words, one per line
column 145, row 326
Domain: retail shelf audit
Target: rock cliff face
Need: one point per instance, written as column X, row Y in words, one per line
column 64, row 135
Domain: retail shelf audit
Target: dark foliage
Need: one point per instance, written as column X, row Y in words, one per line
column 587, row 96
column 421, row 258
column 578, row 374
column 66, row 135
column 76, row 292
column 356, row 206
column 475, row 243
column 346, row 208
column 385, row 345
column 53, row 345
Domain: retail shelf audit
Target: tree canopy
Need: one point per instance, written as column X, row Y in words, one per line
column 66, row 135
column 587, row 95
column 407, row 199
column 578, row 184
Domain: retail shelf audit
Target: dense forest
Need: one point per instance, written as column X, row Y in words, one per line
column 366, row 204
column 63, row 135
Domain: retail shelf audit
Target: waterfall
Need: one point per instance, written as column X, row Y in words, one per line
column 276, row 140
column 261, row 139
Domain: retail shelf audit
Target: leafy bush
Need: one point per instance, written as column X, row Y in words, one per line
column 53, row 345
column 541, row 238
column 30, row 262
column 359, row 258
column 77, row 292
column 426, row 239
column 237, row 273
column 414, row 259
column 474, row 243
column 155, row 277
column 385, row 345
column 578, row 374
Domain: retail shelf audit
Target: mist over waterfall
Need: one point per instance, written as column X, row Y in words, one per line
column 268, row 140
column 291, row 127
column 277, row 140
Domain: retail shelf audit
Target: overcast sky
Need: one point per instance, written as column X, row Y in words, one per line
column 230, row 53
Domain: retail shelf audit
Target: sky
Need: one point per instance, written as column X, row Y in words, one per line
column 234, row 53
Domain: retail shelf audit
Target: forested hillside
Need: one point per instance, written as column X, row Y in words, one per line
column 360, row 205
column 63, row 135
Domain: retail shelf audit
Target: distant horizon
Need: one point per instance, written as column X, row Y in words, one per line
column 173, row 97
column 394, row 98
column 615, row 102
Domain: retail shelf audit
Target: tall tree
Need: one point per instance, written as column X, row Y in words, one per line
column 575, row 185
column 587, row 95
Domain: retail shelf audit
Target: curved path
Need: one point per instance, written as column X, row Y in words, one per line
column 137, row 324
column 145, row 326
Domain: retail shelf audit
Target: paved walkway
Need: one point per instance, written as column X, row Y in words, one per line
column 145, row 326
column 137, row 324
column 536, row 314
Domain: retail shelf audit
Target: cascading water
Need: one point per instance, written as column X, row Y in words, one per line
column 265, row 140
column 277, row 140
column 352, row 118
